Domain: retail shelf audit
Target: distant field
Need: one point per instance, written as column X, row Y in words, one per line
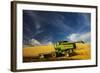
column 35, row 50
column 82, row 52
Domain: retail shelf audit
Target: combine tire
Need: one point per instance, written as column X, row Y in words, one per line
column 54, row 55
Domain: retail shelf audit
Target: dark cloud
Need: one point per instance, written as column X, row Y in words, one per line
column 49, row 26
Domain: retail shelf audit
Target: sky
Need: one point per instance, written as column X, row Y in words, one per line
column 46, row 27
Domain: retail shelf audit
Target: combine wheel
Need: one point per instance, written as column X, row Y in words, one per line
column 53, row 54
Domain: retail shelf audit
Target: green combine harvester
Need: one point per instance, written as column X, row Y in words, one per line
column 64, row 48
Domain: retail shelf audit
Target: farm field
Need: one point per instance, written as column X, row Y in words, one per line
column 31, row 54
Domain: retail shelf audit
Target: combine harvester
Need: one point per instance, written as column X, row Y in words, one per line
column 64, row 48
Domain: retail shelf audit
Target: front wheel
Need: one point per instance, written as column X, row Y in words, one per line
column 54, row 55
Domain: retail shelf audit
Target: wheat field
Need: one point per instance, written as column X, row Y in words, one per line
column 82, row 51
column 36, row 50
